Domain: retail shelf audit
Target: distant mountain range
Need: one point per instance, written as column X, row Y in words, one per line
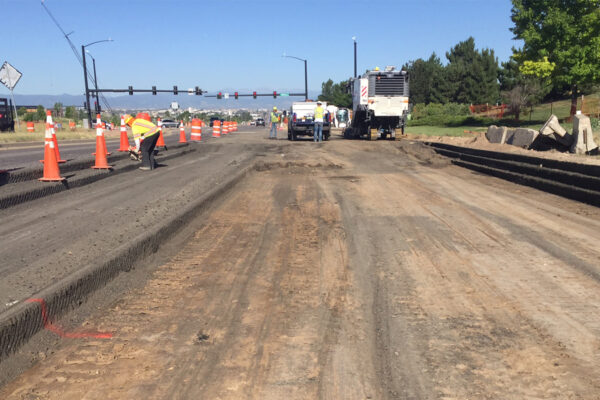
column 163, row 101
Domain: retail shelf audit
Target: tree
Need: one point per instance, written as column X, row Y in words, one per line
column 70, row 112
column 336, row 94
column 58, row 109
column 524, row 85
column 472, row 76
column 567, row 32
column 40, row 114
column 427, row 81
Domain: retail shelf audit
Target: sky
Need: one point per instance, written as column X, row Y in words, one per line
column 229, row 45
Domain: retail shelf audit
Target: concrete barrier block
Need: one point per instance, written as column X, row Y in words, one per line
column 522, row 137
column 496, row 134
column 583, row 139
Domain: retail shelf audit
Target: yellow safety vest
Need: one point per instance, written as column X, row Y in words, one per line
column 142, row 128
column 274, row 117
column 319, row 114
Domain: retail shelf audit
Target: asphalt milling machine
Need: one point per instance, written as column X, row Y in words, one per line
column 379, row 104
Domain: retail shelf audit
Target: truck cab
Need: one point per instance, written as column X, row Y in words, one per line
column 301, row 120
column 6, row 115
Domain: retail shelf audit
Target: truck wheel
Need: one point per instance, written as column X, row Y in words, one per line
column 293, row 135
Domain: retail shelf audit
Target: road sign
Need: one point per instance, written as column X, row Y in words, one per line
column 284, row 94
column 9, row 75
column 226, row 95
column 191, row 91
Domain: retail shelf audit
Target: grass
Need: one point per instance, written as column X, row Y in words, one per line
column 444, row 130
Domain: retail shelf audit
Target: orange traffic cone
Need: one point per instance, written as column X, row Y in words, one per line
column 182, row 138
column 53, row 133
column 161, row 140
column 51, row 170
column 101, row 124
column 124, row 139
column 101, row 161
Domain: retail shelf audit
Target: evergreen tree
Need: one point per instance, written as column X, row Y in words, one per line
column 336, row 94
column 427, row 80
column 472, row 76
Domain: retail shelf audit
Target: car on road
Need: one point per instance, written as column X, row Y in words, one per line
column 105, row 125
column 169, row 123
column 260, row 122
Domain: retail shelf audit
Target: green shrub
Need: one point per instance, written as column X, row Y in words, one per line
column 449, row 114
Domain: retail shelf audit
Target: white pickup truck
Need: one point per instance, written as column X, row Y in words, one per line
column 301, row 119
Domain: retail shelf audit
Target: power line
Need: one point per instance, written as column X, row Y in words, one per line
column 77, row 55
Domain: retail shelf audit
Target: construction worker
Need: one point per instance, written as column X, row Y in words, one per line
column 147, row 133
column 274, row 120
column 318, row 120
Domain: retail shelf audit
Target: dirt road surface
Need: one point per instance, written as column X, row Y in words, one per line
column 354, row 270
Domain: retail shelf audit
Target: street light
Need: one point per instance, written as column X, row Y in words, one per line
column 305, row 74
column 98, row 110
column 354, row 39
column 87, row 90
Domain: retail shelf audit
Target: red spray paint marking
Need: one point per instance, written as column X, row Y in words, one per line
column 60, row 332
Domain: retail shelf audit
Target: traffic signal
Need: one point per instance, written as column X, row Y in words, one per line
column 175, row 91
column 274, row 94
column 219, row 95
column 154, row 90
column 131, row 90
column 198, row 91
column 235, row 95
column 254, row 94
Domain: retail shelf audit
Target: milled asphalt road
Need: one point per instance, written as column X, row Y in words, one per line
column 21, row 155
column 49, row 238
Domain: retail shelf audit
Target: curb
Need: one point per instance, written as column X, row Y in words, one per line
column 47, row 189
column 24, row 320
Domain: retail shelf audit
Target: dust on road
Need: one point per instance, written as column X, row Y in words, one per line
column 355, row 270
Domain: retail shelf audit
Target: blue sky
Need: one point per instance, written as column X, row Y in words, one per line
column 236, row 44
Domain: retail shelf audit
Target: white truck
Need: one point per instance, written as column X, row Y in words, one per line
column 301, row 120
column 379, row 104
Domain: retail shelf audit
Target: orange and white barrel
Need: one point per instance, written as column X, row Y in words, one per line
column 216, row 128
column 196, row 130
column 30, row 127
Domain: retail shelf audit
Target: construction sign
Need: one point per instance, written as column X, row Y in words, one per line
column 9, row 75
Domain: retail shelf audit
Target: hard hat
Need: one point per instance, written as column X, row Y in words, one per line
column 376, row 68
column 275, row 108
column 318, row 102
column 128, row 118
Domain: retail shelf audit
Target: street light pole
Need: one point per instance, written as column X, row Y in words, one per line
column 98, row 109
column 87, row 90
column 355, row 73
column 85, row 79
column 305, row 74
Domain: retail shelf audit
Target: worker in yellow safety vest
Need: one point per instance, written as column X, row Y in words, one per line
column 318, row 121
column 148, row 134
column 274, row 120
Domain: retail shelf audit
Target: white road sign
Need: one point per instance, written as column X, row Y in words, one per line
column 191, row 91
column 226, row 95
column 9, row 75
